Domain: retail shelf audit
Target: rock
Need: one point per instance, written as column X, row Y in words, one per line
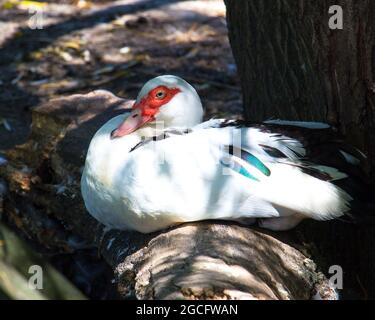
column 195, row 261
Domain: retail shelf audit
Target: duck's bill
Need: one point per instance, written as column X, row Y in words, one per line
column 133, row 122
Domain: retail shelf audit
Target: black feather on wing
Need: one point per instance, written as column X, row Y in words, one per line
column 165, row 135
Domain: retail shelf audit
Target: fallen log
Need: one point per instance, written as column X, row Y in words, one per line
column 204, row 260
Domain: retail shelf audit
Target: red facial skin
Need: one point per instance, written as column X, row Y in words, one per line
column 151, row 104
column 145, row 111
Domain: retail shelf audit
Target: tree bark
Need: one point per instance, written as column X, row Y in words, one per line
column 293, row 66
column 194, row 261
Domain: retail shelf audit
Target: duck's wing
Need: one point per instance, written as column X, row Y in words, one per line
column 302, row 144
column 306, row 145
column 269, row 169
column 315, row 150
column 319, row 151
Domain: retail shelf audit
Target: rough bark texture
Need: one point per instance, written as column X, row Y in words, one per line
column 293, row 66
column 200, row 260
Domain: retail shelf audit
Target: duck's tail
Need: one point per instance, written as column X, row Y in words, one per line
column 355, row 167
column 328, row 158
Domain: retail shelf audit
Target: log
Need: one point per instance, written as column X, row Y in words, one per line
column 202, row 260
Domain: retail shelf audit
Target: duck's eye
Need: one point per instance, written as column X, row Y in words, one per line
column 160, row 94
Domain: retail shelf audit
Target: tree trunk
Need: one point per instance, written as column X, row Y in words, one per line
column 293, row 66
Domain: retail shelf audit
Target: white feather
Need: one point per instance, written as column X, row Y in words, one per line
column 182, row 178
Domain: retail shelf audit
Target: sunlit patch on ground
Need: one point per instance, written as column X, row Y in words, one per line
column 114, row 45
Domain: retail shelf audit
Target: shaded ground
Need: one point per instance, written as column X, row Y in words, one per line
column 113, row 45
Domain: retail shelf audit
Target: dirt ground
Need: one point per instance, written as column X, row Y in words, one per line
column 113, row 45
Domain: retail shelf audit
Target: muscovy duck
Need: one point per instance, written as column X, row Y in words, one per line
column 160, row 165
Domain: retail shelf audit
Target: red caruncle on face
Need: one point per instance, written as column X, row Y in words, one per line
column 156, row 98
column 145, row 110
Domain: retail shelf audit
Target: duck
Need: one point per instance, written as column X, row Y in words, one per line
column 159, row 165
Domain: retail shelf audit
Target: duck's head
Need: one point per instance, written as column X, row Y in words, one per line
column 168, row 100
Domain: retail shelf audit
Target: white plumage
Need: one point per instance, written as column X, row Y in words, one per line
column 133, row 182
